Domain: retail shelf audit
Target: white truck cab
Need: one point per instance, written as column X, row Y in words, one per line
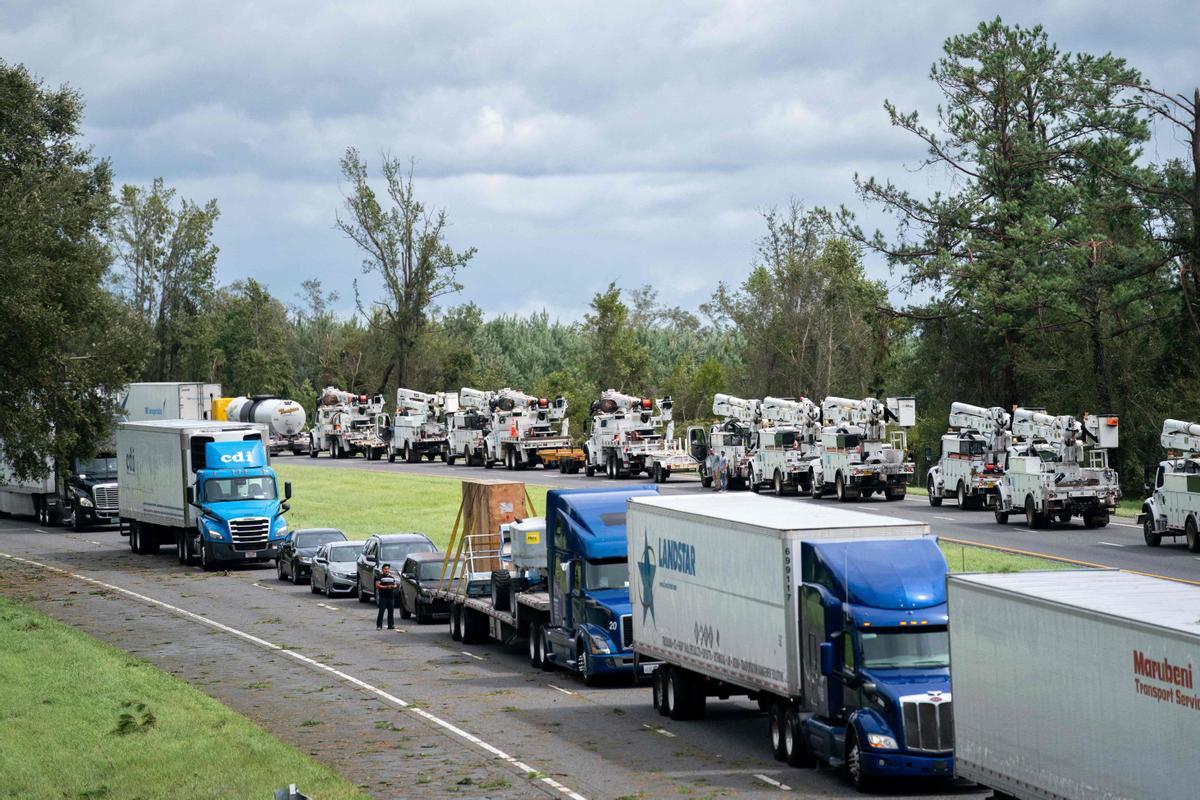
column 1173, row 506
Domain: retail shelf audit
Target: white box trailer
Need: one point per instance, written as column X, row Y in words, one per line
column 169, row 400
column 729, row 565
column 1077, row 684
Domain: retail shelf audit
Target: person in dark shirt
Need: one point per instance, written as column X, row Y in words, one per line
column 385, row 592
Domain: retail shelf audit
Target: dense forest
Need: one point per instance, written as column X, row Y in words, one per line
column 1060, row 268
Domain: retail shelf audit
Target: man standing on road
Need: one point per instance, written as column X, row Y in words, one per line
column 723, row 470
column 385, row 594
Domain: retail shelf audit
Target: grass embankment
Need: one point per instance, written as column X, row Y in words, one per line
column 361, row 503
column 81, row 719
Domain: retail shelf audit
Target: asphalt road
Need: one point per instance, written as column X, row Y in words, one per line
column 406, row 712
column 1119, row 545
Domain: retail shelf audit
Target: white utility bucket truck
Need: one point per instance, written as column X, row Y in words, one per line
column 630, row 435
column 859, row 454
column 731, row 437
column 347, row 424
column 970, row 466
column 787, row 451
column 416, row 429
column 1057, row 468
column 523, row 425
column 467, row 427
column 1173, row 507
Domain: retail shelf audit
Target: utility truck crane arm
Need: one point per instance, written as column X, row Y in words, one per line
column 1180, row 435
column 966, row 417
column 745, row 411
column 778, row 411
column 410, row 401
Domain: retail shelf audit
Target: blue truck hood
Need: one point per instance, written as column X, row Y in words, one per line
column 896, row 683
column 596, row 518
column 615, row 600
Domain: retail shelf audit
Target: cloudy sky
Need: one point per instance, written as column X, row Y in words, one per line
column 573, row 144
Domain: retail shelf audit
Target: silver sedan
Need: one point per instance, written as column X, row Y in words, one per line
column 334, row 569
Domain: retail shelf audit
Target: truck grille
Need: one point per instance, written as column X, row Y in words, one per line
column 928, row 725
column 106, row 498
column 249, row 533
column 626, row 632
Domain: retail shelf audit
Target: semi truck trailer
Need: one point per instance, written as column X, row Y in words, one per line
column 563, row 585
column 204, row 487
column 833, row 620
column 169, row 400
column 1076, row 685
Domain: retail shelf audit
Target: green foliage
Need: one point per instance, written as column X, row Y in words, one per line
column 66, row 346
column 616, row 357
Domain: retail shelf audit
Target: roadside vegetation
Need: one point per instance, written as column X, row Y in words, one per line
column 82, row 719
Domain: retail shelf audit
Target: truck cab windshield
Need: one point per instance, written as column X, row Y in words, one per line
column 224, row 490
column 606, row 574
column 905, row 649
column 97, row 467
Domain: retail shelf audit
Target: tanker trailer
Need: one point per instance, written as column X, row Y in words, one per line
column 284, row 420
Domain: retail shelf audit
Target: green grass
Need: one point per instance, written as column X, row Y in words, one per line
column 81, row 719
column 361, row 503
column 969, row 558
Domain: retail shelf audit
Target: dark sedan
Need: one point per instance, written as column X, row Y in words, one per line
column 387, row 548
column 418, row 579
column 296, row 555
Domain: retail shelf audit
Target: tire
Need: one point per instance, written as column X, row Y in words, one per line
column 207, row 562
column 839, row 489
column 501, row 590
column 145, row 544
column 778, row 484
column 663, row 676
column 1032, row 518
column 681, row 691
column 659, row 474
column 935, row 497
column 312, row 451
column 312, row 585
column 510, row 463
column 181, row 548
column 296, row 579
column 1193, row 538
column 77, row 524
column 328, row 588
column 391, row 456
column 456, row 623
column 278, row 568
column 411, row 456
column 449, row 460
column 487, row 461
column 1096, row 520
column 1001, row 517
column 467, row 460
column 859, row 779
column 610, row 466
column 1152, row 539
column 776, row 720
column 795, row 749
column 584, row 660
column 816, row 488
column 962, row 495
column 535, row 648
column 547, row 664
column 706, row 481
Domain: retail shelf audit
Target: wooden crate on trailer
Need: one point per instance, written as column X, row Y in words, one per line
column 486, row 505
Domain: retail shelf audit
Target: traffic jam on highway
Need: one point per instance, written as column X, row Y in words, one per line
column 845, row 628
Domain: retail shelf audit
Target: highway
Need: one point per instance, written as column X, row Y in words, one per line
column 1119, row 545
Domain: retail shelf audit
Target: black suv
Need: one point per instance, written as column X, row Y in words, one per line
column 418, row 579
column 296, row 555
column 387, row 548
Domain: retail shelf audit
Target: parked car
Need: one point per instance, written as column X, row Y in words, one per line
column 296, row 555
column 418, row 579
column 387, row 548
column 333, row 568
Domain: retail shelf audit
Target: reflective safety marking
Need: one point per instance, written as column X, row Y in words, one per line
column 390, row 698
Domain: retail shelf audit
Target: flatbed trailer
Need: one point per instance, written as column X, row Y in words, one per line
column 566, row 460
column 474, row 620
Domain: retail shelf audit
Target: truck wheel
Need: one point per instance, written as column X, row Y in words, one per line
column 795, row 748
column 312, row 451
column 589, row 470
column 663, row 676
column 535, row 648
column 1152, row 539
column 207, row 562
column 816, row 488
column 181, row 548
column 706, row 481
column 656, row 689
column 1064, row 518
column 854, row 765
column 779, row 485
column 1032, row 518
column 448, row 459
column 501, row 590
column 660, row 474
column 547, row 652
column 1193, row 540
column 411, row 455
column 962, row 495
column 487, row 461
column 584, row 662
column 610, row 466
column 681, row 691
column 777, row 722
column 1001, row 517
column 839, row 489
column 146, row 543
column 935, row 497
column 77, row 523
column 467, row 460
column 455, row 623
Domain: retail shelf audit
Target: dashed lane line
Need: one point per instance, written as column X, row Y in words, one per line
column 1110, row 544
column 326, row 605
column 772, row 782
column 403, row 705
column 560, row 689
column 660, row 731
column 472, row 655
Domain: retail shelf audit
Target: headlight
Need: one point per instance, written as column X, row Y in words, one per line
column 85, row 501
column 878, row 740
column 599, row 644
column 214, row 531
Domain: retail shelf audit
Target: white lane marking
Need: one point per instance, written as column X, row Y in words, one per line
column 559, row 689
column 948, row 519
column 472, row 655
column 1124, row 524
column 331, row 608
column 93, row 541
column 375, row 690
column 662, row 731
column 773, row 782
column 1110, row 544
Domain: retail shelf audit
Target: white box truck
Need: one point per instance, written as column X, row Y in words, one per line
column 833, row 620
column 166, row 400
column 1076, row 685
column 204, row 487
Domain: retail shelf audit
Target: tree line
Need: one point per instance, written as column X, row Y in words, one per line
column 1060, row 267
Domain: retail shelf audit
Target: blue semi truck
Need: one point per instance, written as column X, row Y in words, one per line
column 564, row 586
column 834, row 620
column 204, row 487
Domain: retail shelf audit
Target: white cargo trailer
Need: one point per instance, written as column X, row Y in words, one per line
column 151, row 401
column 1077, row 684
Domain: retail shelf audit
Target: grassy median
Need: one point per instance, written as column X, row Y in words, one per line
column 81, row 719
column 362, row 502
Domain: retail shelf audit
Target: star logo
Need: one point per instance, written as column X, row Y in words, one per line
column 647, row 568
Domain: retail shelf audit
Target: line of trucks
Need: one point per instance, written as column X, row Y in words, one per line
column 845, row 628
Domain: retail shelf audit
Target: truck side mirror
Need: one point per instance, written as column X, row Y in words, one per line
column 826, row 659
column 928, row 454
column 287, row 490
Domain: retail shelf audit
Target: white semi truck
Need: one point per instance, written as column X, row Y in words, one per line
column 1076, row 685
column 416, row 429
column 168, row 400
column 732, row 438
column 627, row 437
column 1173, row 507
column 284, row 420
column 467, row 428
column 347, row 424
column 1057, row 468
column 970, row 466
column 859, row 454
column 787, row 449
column 523, row 425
